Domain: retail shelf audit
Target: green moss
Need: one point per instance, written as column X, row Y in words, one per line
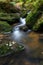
column 4, row 27
column 9, row 18
column 38, row 25
column 4, row 49
column 32, row 18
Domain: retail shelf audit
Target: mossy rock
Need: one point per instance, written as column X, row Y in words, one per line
column 24, row 13
column 32, row 18
column 38, row 25
column 10, row 18
column 24, row 28
column 5, row 27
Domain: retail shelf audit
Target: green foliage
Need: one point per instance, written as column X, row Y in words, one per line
column 9, row 18
column 8, row 7
column 38, row 25
column 33, row 18
column 4, row 49
column 5, row 27
column 19, row 48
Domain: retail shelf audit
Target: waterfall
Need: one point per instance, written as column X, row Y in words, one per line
column 17, row 34
column 22, row 23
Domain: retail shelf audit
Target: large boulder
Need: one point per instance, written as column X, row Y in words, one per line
column 24, row 28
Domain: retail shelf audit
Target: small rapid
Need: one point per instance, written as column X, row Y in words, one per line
column 22, row 23
column 17, row 34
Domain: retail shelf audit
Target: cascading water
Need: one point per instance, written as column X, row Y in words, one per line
column 17, row 33
column 22, row 23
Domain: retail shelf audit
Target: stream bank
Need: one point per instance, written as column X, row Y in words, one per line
column 33, row 42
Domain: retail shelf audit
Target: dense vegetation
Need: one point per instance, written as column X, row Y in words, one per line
column 5, row 27
column 32, row 10
column 8, row 16
column 13, row 11
column 6, row 49
column 35, row 18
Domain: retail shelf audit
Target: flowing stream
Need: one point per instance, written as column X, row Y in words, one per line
column 30, row 41
column 17, row 34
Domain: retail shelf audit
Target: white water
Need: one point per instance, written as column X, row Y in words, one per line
column 17, row 34
column 22, row 23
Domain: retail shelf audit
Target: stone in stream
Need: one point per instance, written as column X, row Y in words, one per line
column 24, row 28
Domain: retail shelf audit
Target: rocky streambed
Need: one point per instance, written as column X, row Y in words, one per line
column 33, row 42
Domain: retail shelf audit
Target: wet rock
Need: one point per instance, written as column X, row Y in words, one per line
column 24, row 28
